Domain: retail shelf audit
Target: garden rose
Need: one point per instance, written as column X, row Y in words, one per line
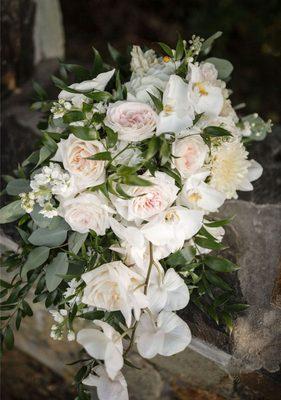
column 132, row 120
column 87, row 211
column 73, row 153
column 147, row 200
column 189, row 154
column 113, row 287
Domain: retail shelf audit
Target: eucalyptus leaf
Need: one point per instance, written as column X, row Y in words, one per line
column 11, row 212
column 208, row 43
column 76, row 241
column 58, row 266
column 48, row 237
column 17, row 186
column 35, row 258
column 224, row 67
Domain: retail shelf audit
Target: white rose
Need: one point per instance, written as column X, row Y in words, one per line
column 209, row 72
column 86, row 211
column 113, row 287
column 147, row 200
column 73, row 153
column 138, row 89
column 189, row 154
column 132, row 120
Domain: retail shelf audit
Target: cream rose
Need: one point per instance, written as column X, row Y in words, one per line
column 87, row 211
column 113, row 287
column 189, row 154
column 73, row 153
column 147, row 200
column 132, row 120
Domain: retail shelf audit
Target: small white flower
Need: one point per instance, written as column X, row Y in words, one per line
column 166, row 334
column 108, row 389
column 103, row 345
column 70, row 336
column 57, row 316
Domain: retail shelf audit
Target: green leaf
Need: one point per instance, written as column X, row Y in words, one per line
column 115, row 54
column 5, row 284
column 156, row 101
column 75, row 241
column 167, row 49
column 11, row 212
column 83, row 132
column 17, row 186
column 91, row 315
column 179, row 48
column 103, row 155
column 216, row 224
column 9, row 338
column 58, row 266
column 153, row 147
column 111, row 137
column 217, row 281
column 220, row 264
column 27, row 309
column 208, row 43
column 80, row 72
column 44, row 154
column 208, row 243
column 181, row 257
column 73, row 116
column 48, row 237
column 224, row 67
column 215, row 131
column 99, row 95
column 49, row 142
column 35, row 258
column 226, row 317
column 236, row 307
column 18, row 319
column 135, row 180
column 259, row 128
column 98, row 63
column 41, row 93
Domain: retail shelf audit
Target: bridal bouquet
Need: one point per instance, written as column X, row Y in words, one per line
column 115, row 208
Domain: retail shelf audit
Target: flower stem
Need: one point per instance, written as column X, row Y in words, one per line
column 149, row 267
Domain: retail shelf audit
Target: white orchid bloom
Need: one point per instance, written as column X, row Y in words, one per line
column 203, row 94
column 172, row 227
column 177, row 114
column 165, row 334
column 107, row 388
column 198, row 195
column 168, row 292
column 98, row 83
column 103, row 345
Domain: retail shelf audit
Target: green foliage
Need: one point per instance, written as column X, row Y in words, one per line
column 55, row 269
column 11, row 212
column 224, row 67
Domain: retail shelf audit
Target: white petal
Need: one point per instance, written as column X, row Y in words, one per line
column 91, row 380
column 177, row 291
column 94, row 342
column 113, row 360
column 254, row 171
column 112, row 390
column 149, row 345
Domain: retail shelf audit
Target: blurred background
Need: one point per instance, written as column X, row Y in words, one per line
column 35, row 33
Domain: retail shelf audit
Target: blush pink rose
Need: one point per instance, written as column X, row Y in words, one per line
column 132, row 120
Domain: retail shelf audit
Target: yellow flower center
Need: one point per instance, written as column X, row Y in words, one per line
column 202, row 89
column 166, row 59
column 194, row 197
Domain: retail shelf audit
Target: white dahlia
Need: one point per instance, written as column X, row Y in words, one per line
column 230, row 168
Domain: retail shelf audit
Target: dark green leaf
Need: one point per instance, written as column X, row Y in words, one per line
column 167, row 49
column 48, row 237
column 215, row 131
column 179, row 49
column 83, row 132
column 236, row 307
column 220, row 264
column 5, row 285
column 217, row 281
column 208, row 243
column 26, row 308
column 218, row 223
column 103, row 155
column 181, row 257
column 156, row 101
column 91, row 315
column 135, row 180
column 73, row 116
column 153, row 147
column 111, row 138
column 9, row 338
